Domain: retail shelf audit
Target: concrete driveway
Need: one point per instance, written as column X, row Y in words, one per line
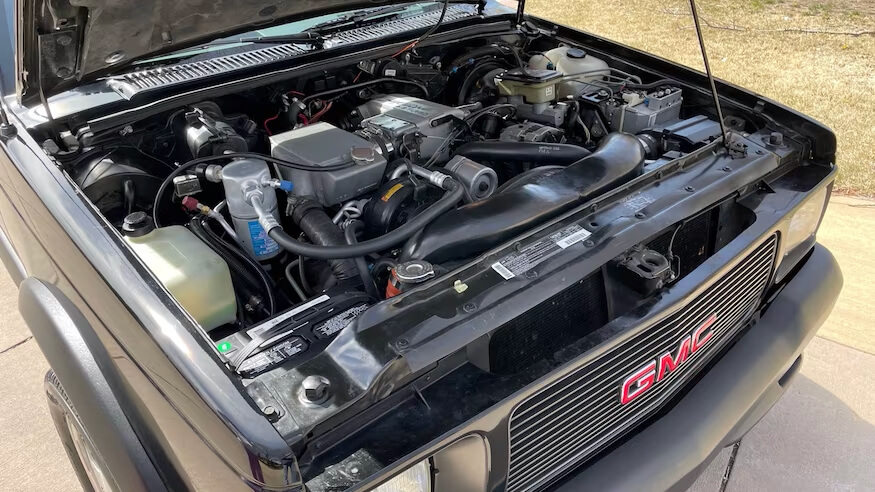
column 820, row 436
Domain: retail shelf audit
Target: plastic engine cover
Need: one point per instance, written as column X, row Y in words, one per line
column 323, row 144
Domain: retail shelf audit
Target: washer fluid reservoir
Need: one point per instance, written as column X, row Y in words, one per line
column 196, row 276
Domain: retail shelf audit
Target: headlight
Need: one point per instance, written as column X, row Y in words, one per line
column 800, row 233
column 417, row 478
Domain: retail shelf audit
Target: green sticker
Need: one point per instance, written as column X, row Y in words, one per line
column 224, row 347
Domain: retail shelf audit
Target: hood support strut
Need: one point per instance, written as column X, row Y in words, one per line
column 714, row 95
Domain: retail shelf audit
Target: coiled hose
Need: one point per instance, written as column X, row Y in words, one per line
column 453, row 195
column 243, row 267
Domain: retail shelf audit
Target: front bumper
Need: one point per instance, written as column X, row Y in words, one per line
column 730, row 399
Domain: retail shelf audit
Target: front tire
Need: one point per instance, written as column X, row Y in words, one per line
column 89, row 466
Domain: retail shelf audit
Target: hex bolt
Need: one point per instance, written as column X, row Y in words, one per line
column 271, row 413
column 689, row 189
column 760, row 152
column 314, row 389
column 727, row 169
column 640, row 215
column 469, row 307
column 401, row 344
column 588, row 243
column 776, row 138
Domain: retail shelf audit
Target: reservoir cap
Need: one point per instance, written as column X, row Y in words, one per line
column 137, row 224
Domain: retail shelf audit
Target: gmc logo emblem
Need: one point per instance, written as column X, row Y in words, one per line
column 656, row 370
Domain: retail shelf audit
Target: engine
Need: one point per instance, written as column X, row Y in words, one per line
column 315, row 198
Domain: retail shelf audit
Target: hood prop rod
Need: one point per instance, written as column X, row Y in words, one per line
column 714, row 95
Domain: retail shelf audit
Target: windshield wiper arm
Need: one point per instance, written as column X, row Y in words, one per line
column 305, row 37
column 359, row 16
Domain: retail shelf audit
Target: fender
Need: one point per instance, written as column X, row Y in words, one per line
column 89, row 378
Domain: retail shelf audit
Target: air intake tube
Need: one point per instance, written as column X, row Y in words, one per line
column 471, row 229
column 318, row 227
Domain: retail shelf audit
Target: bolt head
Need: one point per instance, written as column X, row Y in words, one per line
column 314, row 389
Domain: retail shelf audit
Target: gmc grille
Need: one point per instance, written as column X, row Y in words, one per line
column 568, row 422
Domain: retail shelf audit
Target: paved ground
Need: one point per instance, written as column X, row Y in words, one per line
column 819, row 437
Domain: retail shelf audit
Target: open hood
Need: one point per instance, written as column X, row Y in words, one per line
column 62, row 43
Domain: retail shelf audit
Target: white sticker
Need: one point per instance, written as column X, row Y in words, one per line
column 574, row 238
column 390, row 72
column 503, row 271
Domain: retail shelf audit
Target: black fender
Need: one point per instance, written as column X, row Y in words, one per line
column 90, row 380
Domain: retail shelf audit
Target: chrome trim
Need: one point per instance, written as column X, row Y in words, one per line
column 572, row 419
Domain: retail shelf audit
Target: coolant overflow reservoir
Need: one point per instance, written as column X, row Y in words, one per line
column 196, row 276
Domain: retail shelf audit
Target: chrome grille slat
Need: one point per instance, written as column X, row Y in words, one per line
column 151, row 78
column 627, row 351
column 579, row 432
column 521, row 444
column 579, row 429
column 576, row 416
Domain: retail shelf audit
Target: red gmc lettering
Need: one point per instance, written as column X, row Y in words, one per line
column 638, row 383
column 667, row 363
column 698, row 341
column 656, row 370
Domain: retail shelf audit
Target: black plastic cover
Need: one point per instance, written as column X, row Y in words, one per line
column 476, row 227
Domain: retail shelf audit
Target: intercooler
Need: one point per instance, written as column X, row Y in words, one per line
column 568, row 422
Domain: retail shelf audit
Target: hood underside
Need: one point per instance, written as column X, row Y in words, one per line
column 64, row 42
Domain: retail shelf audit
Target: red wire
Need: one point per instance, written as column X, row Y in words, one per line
column 411, row 45
column 268, row 121
column 315, row 117
column 356, row 79
column 304, row 119
column 295, row 93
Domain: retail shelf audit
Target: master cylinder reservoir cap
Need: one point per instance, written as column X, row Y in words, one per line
column 137, row 224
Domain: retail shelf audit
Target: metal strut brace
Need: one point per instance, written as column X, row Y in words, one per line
column 714, row 95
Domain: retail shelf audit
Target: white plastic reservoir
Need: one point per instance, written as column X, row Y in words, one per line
column 570, row 61
column 196, row 276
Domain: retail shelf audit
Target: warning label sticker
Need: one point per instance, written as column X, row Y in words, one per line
column 520, row 262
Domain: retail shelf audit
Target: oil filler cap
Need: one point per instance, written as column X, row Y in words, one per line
column 137, row 224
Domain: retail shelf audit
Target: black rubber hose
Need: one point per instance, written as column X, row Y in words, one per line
column 366, row 83
column 210, row 158
column 253, row 265
column 311, row 218
column 541, row 153
column 238, row 261
column 447, row 202
column 473, row 76
column 351, row 230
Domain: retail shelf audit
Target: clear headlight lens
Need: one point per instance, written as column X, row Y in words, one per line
column 800, row 233
column 417, row 478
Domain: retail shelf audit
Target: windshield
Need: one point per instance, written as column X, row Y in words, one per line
column 323, row 23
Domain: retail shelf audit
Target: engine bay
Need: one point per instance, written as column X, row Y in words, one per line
column 278, row 215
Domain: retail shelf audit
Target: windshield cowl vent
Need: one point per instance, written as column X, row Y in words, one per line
column 131, row 84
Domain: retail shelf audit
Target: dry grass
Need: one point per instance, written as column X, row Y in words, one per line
column 755, row 44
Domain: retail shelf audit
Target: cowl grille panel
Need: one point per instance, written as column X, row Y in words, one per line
column 579, row 415
column 153, row 78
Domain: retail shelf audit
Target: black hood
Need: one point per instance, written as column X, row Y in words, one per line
column 62, row 43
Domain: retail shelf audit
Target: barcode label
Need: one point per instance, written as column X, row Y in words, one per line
column 503, row 271
column 574, row 238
